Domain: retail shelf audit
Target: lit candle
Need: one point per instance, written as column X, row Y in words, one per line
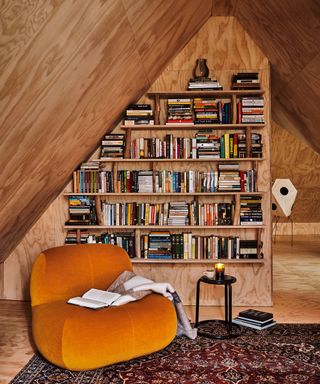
column 219, row 268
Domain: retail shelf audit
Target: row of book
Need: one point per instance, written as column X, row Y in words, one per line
column 232, row 179
column 166, row 245
column 146, row 181
column 200, row 110
column 125, row 240
column 211, row 111
column 188, row 246
column 205, row 145
column 179, row 213
column 251, row 210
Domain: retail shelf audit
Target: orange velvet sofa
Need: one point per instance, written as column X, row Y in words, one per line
column 78, row 338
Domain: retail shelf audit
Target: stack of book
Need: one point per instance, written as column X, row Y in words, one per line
column 159, row 245
column 82, row 211
column 251, row 110
column 180, row 112
column 252, row 318
column 256, row 145
column 250, row 210
column 245, row 80
column 205, row 111
column 113, row 145
column 207, row 145
column 249, row 250
column 137, row 114
column 72, row 237
column 204, row 84
column 229, row 177
column 178, row 213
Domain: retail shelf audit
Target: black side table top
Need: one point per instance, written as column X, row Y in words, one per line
column 226, row 280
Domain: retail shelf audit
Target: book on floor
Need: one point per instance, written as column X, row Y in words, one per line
column 254, row 314
column 98, row 298
column 254, row 325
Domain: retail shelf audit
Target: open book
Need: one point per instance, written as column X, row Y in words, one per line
column 97, row 298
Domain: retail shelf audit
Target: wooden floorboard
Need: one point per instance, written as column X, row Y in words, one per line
column 296, row 299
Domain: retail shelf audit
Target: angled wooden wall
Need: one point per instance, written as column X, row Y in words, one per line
column 228, row 49
column 293, row 159
column 68, row 70
column 288, row 32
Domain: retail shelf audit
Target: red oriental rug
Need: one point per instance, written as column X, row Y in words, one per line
column 286, row 353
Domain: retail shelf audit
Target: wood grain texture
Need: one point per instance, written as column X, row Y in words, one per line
column 289, row 302
column 293, row 159
column 223, row 30
column 223, row 7
column 69, row 70
column 167, row 27
column 46, row 233
column 296, row 106
column 289, row 35
column 286, row 31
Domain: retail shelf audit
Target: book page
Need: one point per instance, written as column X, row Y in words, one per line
column 100, row 295
column 88, row 303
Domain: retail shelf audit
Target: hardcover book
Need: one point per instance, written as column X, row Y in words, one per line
column 256, row 315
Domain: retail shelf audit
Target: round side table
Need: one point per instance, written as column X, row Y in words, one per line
column 227, row 281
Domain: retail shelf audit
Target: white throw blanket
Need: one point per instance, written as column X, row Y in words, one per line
column 127, row 283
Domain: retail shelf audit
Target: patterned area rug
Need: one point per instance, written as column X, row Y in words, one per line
column 286, row 353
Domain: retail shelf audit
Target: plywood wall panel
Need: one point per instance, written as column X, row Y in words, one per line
column 66, row 82
column 293, row 159
column 223, row 7
column 167, row 27
column 296, row 107
column 175, row 79
column 287, row 33
column 46, row 233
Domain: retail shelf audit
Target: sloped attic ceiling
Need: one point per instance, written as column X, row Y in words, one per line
column 68, row 69
column 288, row 33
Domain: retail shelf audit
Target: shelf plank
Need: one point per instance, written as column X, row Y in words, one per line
column 187, row 261
column 165, row 193
column 163, row 227
column 217, row 93
column 111, row 160
column 194, row 127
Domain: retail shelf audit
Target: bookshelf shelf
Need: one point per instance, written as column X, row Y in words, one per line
column 156, row 160
column 218, row 93
column 134, row 194
column 194, row 127
column 165, row 227
column 199, row 261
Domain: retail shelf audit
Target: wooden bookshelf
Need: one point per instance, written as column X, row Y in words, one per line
column 171, row 267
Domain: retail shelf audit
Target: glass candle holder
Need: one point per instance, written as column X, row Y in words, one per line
column 219, row 269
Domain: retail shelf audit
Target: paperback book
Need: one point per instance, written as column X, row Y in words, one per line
column 98, row 298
